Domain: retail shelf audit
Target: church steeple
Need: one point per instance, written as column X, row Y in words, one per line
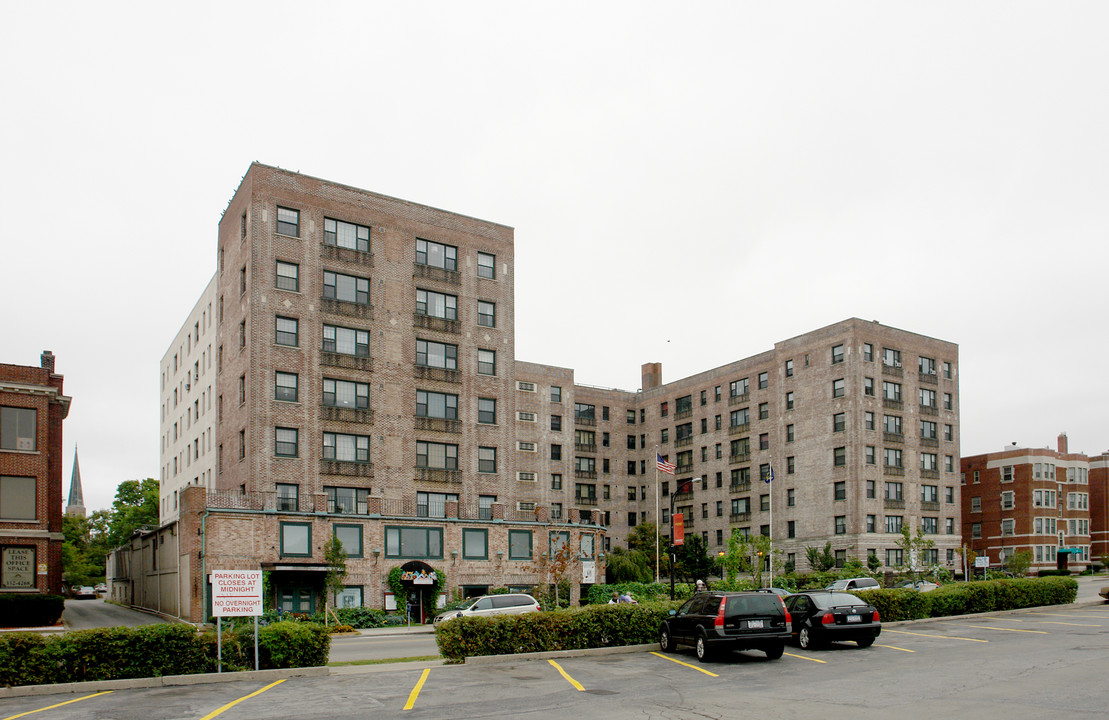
column 76, row 504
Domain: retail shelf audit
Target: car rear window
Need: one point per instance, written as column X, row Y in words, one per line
column 843, row 600
column 762, row 604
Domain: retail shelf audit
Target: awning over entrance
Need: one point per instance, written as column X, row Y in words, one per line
column 295, row 567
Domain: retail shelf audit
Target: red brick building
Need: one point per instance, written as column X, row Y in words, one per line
column 1050, row 503
column 32, row 408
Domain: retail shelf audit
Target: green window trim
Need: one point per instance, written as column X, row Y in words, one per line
column 520, row 534
column 393, row 548
column 335, row 527
column 474, row 532
column 307, row 526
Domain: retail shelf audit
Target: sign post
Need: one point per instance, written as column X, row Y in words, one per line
column 236, row 593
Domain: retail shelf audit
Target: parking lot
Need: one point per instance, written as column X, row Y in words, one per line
column 1029, row 663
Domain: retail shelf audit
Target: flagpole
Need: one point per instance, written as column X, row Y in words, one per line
column 658, row 525
column 770, row 552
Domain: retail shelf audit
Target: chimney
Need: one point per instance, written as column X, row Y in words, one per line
column 1063, row 443
column 47, row 359
column 652, row 375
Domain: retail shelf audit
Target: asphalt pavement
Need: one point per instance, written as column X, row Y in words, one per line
column 89, row 614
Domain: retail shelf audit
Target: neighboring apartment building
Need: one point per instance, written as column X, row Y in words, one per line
column 32, row 408
column 1050, row 503
column 859, row 421
column 187, row 415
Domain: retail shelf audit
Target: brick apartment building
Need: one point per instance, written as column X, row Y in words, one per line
column 356, row 354
column 1051, row 503
column 32, row 408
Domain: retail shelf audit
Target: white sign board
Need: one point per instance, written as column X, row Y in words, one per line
column 588, row 572
column 236, row 592
column 982, row 561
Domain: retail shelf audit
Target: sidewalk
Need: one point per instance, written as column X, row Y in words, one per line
column 398, row 630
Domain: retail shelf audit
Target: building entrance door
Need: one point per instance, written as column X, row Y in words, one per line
column 296, row 600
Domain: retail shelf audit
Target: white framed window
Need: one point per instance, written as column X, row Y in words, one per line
column 486, row 265
column 346, row 235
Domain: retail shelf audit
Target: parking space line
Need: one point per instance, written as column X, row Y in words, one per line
column 1056, row 622
column 1070, row 615
column 566, row 675
column 891, row 647
column 822, row 662
column 941, row 637
column 56, row 705
column 416, row 690
column 666, row 657
column 233, row 703
column 988, row 627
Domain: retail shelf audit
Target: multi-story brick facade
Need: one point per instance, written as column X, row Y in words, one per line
column 1050, row 503
column 32, row 408
column 366, row 386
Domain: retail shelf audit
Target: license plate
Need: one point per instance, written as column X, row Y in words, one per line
column 754, row 624
column 854, row 618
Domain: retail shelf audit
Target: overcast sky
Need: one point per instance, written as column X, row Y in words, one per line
column 688, row 182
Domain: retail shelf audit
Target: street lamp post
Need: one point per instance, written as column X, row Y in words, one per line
column 673, row 547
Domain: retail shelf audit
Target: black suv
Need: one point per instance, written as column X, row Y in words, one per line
column 713, row 621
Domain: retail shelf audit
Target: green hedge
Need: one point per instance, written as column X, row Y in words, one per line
column 971, row 597
column 31, row 610
column 587, row 627
column 153, row 651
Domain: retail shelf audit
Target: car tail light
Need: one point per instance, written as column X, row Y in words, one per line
column 538, row 607
column 829, row 619
column 876, row 616
column 786, row 610
column 719, row 622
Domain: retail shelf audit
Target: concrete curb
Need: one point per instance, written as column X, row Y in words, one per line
column 95, row 686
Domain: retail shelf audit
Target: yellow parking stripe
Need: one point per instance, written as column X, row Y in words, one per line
column 233, row 703
column 1070, row 615
column 823, row 662
column 987, row 627
column 51, row 707
column 566, row 675
column 665, row 657
column 891, row 647
column 941, row 637
column 1056, row 622
column 416, row 690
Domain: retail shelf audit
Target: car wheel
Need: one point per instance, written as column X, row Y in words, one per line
column 664, row 640
column 865, row 642
column 805, row 639
column 773, row 652
column 704, row 654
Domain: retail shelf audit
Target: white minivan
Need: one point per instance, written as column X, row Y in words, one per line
column 854, row 584
column 487, row 605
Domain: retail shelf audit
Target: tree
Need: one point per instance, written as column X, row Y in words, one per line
column 643, row 538
column 821, row 560
column 745, row 555
column 1018, row 563
column 83, row 551
column 336, row 558
column 554, row 568
column 135, row 506
column 912, row 548
column 629, row 565
column 693, row 562
column 873, row 563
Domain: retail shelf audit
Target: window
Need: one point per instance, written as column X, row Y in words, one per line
column 1007, row 526
column 789, row 400
column 839, row 456
column 346, row 448
column 740, row 418
column 664, row 409
column 789, row 433
column 436, row 254
column 346, row 235
column 437, row 355
column 871, row 455
column 288, row 222
column 789, row 368
column 841, row 524
column 556, row 452
column 764, row 381
column 475, row 544
column 1007, row 500
column 1007, row 474
column 739, row 388
column 285, row 442
column 764, row 502
column 242, row 283
column 288, row 276
column 839, row 490
column 894, row 557
column 346, row 341
column 519, row 544
column 436, row 455
column 486, row 268
column 927, row 398
column 949, row 526
column 556, row 422
column 556, row 396
column 487, row 411
column 346, row 288
column 556, row 482
column 414, row 542
column 891, row 357
column 868, row 352
column 893, row 523
column 891, row 391
column 286, row 331
column 296, row 539
column 948, row 401
column 871, row 523
column 486, row 314
column 683, row 404
column 285, row 387
column 930, row 525
column 436, row 405
column 433, row 504
column 436, row 304
column 351, row 538
column 18, row 498
column 839, row 422
column 871, row 489
column 348, row 501
column 868, row 420
column 837, row 354
column 893, row 458
column 976, row 504
column 486, row 460
column 894, row 491
column 344, row 393
column 18, row 429
column 486, row 362
column 791, row 529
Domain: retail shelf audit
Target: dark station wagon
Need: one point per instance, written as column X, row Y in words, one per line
column 715, row 621
column 823, row 616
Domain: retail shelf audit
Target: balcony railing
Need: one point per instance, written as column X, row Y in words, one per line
column 931, row 473
column 683, row 469
column 894, row 504
column 585, row 499
column 892, row 404
column 345, row 414
column 893, row 437
column 930, row 505
column 928, row 378
column 438, row 425
column 737, row 399
column 430, row 272
column 740, row 517
column 585, row 474
column 334, row 252
column 430, row 322
column 739, row 457
column 342, row 360
column 585, row 421
column 893, row 470
column 424, row 372
column 586, row 447
column 346, row 468
column 688, row 522
column 929, row 410
column 347, row 309
column 683, row 496
column 439, row 475
column 894, row 370
column 683, row 414
column 740, row 487
column 739, row 429
column 684, row 441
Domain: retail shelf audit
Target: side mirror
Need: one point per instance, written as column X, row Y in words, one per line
column 458, row 615
column 673, row 612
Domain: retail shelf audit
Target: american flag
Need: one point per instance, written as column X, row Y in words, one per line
column 665, row 466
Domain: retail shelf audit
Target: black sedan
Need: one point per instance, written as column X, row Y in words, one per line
column 822, row 616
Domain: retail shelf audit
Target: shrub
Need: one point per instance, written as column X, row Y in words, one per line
column 31, row 610
column 973, row 597
column 895, row 604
